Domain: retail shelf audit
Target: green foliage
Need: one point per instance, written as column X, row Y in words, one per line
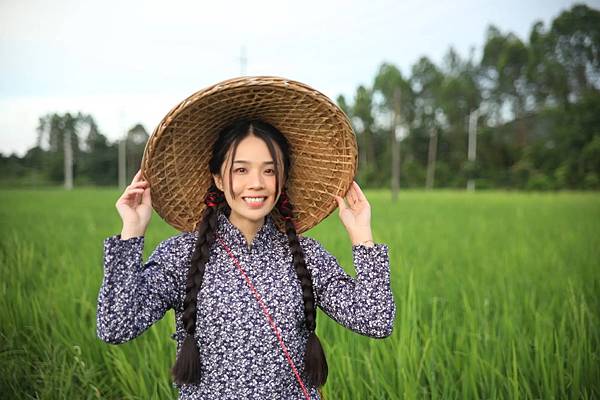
column 547, row 84
column 539, row 181
column 95, row 160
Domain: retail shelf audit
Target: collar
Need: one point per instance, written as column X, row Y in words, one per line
column 234, row 238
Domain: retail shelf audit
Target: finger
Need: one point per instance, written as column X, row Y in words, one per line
column 352, row 196
column 347, row 194
column 139, row 184
column 130, row 194
column 137, row 176
column 359, row 192
column 341, row 204
column 146, row 198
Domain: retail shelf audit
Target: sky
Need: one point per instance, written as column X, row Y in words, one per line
column 129, row 62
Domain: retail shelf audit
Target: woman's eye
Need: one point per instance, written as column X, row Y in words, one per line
column 240, row 170
column 270, row 171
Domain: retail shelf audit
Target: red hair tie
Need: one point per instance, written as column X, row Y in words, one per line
column 284, row 207
column 213, row 199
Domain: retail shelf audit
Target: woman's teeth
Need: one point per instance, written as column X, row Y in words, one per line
column 254, row 200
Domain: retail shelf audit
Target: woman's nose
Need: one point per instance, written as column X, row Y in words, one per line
column 256, row 180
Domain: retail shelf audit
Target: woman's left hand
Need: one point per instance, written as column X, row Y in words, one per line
column 356, row 215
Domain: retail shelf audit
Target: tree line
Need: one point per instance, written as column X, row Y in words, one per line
column 534, row 105
column 95, row 158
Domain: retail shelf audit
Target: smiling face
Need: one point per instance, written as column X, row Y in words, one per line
column 253, row 183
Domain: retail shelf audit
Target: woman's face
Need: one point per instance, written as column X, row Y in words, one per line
column 253, row 183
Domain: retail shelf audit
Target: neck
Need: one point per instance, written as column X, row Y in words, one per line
column 248, row 228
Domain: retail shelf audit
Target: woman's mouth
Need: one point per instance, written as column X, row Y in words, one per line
column 255, row 202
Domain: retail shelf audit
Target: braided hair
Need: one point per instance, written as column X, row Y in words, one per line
column 187, row 365
column 316, row 364
column 187, row 368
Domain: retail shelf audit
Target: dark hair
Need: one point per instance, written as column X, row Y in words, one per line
column 187, row 366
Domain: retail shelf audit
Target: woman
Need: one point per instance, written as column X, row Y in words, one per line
column 244, row 285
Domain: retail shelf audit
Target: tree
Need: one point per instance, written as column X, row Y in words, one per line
column 505, row 61
column 99, row 164
column 136, row 143
column 426, row 80
column 575, row 40
column 398, row 105
column 363, row 120
column 459, row 95
column 547, row 77
column 52, row 130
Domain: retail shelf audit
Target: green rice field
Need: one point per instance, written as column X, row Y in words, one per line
column 497, row 294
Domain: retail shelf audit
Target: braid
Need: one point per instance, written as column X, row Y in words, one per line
column 316, row 364
column 187, row 366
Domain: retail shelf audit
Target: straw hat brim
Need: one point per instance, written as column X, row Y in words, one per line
column 323, row 145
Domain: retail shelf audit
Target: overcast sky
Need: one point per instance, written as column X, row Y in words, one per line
column 126, row 62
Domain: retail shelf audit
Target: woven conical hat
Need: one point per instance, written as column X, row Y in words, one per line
column 324, row 152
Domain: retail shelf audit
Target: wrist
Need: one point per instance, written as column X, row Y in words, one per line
column 366, row 243
column 364, row 237
column 127, row 233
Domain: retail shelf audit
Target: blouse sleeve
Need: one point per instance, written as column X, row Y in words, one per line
column 134, row 295
column 364, row 304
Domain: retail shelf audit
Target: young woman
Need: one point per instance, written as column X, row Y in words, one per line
column 244, row 284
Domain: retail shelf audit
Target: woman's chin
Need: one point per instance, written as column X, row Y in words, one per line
column 254, row 213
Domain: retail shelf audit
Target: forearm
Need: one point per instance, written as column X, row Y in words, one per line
column 134, row 295
column 118, row 300
column 364, row 304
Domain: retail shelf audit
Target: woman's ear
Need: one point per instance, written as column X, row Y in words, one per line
column 218, row 182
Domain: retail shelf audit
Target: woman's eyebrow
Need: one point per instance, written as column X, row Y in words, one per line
column 248, row 162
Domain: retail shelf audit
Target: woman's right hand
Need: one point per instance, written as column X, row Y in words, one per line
column 135, row 207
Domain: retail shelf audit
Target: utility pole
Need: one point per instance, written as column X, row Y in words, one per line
column 122, row 152
column 397, row 134
column 122, row 162
column 472, row 152
column 68, row 149
column 243, row 61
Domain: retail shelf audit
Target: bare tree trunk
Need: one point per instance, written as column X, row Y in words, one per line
column 396, row 145
column 122, row 163
column 395, row 165
column 68, row 160
column 472, row 150
column 431, row 158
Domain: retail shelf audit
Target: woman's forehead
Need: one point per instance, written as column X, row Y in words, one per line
column 252, row 147
column 252, row 150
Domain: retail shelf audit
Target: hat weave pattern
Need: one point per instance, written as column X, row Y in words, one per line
column 324, row 151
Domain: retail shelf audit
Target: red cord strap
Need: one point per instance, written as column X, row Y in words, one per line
column 266, row 312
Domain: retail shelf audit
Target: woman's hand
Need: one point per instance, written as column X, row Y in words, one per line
column 356, row 215
column 135, row 207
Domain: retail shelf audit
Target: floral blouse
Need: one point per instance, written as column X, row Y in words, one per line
column 241, row 356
